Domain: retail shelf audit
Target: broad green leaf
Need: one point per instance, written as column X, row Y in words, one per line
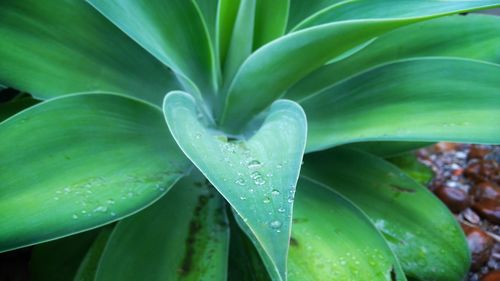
column 208, row 10
column 263, row 78
column 88, row 267
column 331, row 238
column 409, row 164
column 473, row 36
column 184, row 236
column 271, row 18
column 59, row 260
column 419, row 228
column 256, row 175
column 300, row 9
column 424, row 100
column 52, row 48
column 174, row 32
column 77, row 162
column 384, row 9
column 241, row 42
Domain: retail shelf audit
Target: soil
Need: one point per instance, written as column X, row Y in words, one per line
column 467, row 180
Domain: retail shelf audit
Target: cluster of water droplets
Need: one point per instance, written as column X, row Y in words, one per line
column 92, row 196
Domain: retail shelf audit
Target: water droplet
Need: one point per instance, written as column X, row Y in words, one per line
column 275, row 224
column 254, row 164
column 75, row 217
column 240, row 181
column 243, row 198
column 279, row 166
column 83, row 212
column 281, row 210
column 260, row 181
column 266, row 200
column 275, row 192
column 197, row 136
column 56, row 198
column 269, row 175
column 113, row 214
column 101, row 209
column 67, row 189
column 110, row 201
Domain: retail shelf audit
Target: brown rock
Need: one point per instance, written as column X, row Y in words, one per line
column 477, row 152
column 483, row 170
column 456, row 199
column 488, row 209
column 485, row 190
column 473, row 170
column 492, row 276
column 445, row 146
column 480, row 245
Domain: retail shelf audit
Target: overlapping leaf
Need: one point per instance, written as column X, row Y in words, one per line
column 52, row 48
column 77, row 162
column 413, row 100
column 257, row 176
column 473, row 36
column 174, row 32
column 331, row 238
column 184, row 236
column 419, row 228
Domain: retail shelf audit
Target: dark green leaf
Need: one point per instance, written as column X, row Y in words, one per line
column 78, row 162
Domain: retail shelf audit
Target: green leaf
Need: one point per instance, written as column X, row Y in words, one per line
column 256, row 175
column 263, row 78
column 473, row 36
column 300, row 9
column 331, row 237
column 384, row 9
column 387, row 148
column 241, row 42
column 184, row 236
column 433, row 99
column 77, row 162
column 58, row 47
column 409, row 164
column 59, row 260
column 88, row 267
column 419, row 228
column 270, row 21
column 174, row 32
column 226, row 17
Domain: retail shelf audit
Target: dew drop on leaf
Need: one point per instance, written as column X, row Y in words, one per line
column 275, row 224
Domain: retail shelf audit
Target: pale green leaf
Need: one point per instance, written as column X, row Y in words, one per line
column 473, row 36
column 425, row 100
column 272, row 69
column 333, row 238
column 420, row 229
column 77, row 162
column 52, row 48
column 385, row 9
column 184, row 236
column 256, row 175
column 174, row 32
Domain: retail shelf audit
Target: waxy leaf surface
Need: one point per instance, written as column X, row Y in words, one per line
column 419, row 228
column 184, row 237
column 78, row 162
column 332, row 238
column 257, row 176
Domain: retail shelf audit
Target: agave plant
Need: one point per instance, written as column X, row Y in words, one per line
column 191, row 116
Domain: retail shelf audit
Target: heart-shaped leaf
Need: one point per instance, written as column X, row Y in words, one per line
column 256, row 175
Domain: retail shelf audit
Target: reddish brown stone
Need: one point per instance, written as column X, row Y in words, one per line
column 488, row 209
column 456, row 199
column 478, row 152
column 485, row 190
column 492, row 276
column 480, row 245
column 445, row 146
column 472, row 171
